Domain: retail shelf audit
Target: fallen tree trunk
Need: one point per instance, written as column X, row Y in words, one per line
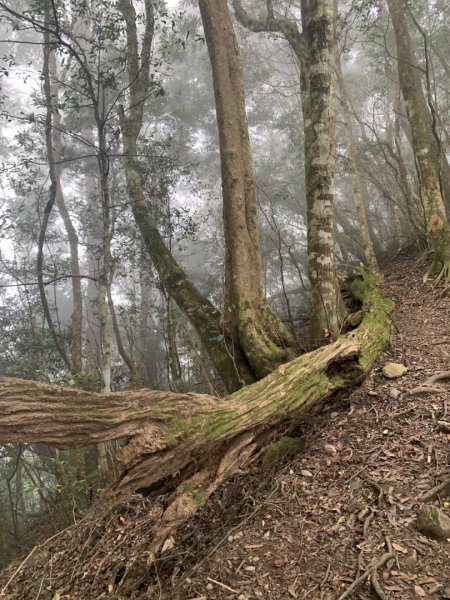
column 185, row 445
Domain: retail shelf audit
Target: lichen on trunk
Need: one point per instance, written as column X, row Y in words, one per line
column 327, row 310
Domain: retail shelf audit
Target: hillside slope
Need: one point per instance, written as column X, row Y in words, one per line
column 306, row 528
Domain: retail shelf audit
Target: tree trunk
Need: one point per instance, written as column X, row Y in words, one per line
column 437, row 224
column 320, row 155
column 367, row 245
column 185, row 445
column 440, row 159
column 265, row 340
column 77, row 314
column 314, row 47
column 226, row 356
column 57, row 338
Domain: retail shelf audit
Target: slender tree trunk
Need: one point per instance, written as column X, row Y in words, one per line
column 226, row 355
column 437, row 224
column 173, row 359
column 77, row 298
column 105, row 271
column 320, row 151
column 369, row 252
column 59, row 343
column 93, row 240
column 412, row 201
column 265, row 340
column 146, row 371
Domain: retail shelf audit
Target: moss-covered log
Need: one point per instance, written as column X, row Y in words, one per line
column 186, row 445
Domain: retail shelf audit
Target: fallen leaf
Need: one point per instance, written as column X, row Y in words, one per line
column 291, row 590
column 420, row 591
column 168, row 544
column 330, row 449
column 393, row 588
column 399, row 548
column 425, row 580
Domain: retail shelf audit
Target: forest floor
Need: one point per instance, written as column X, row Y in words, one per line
column 311, row 526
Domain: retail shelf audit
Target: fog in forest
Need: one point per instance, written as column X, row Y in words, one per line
column 186, row 190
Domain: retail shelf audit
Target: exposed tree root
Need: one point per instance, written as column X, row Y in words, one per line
column 439, row 271
column 370, row 572
column 442, row 488
column 444, row 273
column 376, row 586
column 442, row 376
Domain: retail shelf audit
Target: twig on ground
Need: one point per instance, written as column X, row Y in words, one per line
column 27, row 558
column 355, row 475
column 435, row 491
column 439, row 342
column 19, row 568
column 327, row 574
column 377, row 587
column 443, row 376
column 226, row 587
column 367, row 523
column 376, row 487
column 362, row 578
column 225, row 537
column 390, row 549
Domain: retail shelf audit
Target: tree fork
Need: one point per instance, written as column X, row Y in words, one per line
column 266, row 342
column 185, row 445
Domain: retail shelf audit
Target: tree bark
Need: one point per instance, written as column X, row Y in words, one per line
column 314, row 48
column 439, row 156
column 265, row 340
column 320, row 156
column 226, row 356
column 185, row 445
column 437, row 224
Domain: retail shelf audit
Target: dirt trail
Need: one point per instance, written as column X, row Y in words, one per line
column 309, row 527
column 356, row 484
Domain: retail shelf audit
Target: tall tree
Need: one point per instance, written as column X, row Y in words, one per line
column 437, row 223
column 52, row 98
column 320, row 156
column 264, row 339
column 367, row 245
column 73, row 363
column 313, row 46
column 224, row 351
